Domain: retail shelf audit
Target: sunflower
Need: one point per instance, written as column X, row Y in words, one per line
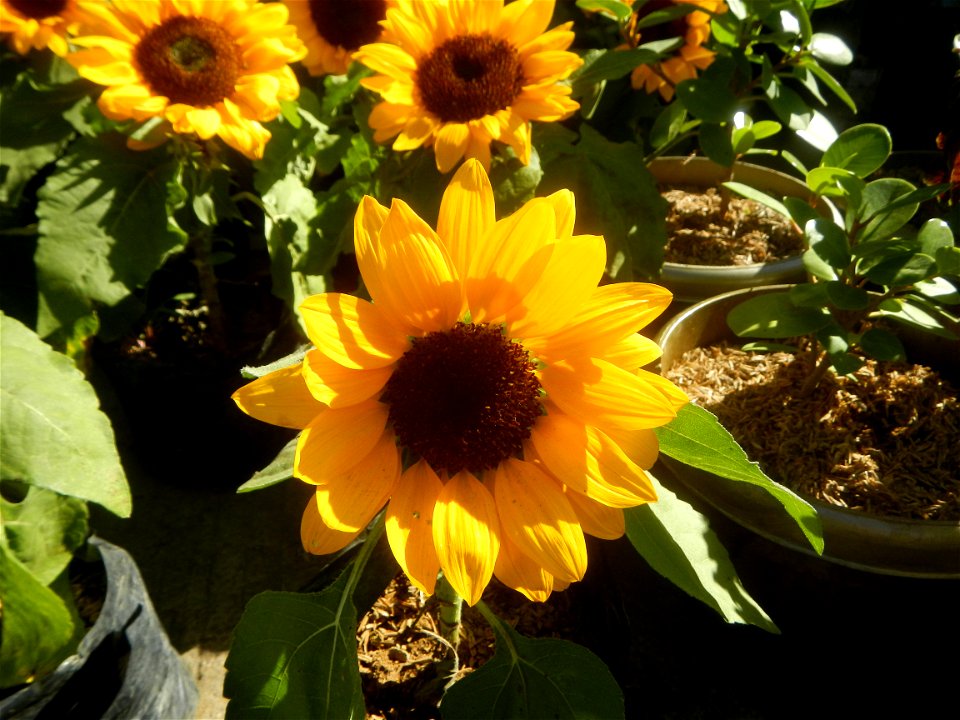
column 694, row 28
column 333, row 30
column 459, row 74
column 207, row 67
column 489, row 394
column 38, row 24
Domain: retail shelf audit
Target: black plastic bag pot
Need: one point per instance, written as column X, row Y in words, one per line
column 125, row 666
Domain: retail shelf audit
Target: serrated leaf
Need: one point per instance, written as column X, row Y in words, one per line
column 294, row 655
column 535, row 678
column 104, row 228
column 37, row 626
column 279, row 470
column 696, row 438
column 678, row 543
column 43, row 530
column 52, row 432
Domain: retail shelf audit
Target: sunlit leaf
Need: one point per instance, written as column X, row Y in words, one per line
column 773, row 315
column 52, row 432
column 829, row 48
column 861, row 149
column 279, row 469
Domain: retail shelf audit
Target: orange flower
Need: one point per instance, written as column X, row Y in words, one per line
column 207, row 67
column 38, row 24
column 694, row 28
column 491, row 395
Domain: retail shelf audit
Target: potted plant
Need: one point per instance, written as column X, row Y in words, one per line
column 79, row 630
column 877, row 295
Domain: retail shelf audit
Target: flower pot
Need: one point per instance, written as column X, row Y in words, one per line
column 125, row 667
column 692, row 283
column 916, row 548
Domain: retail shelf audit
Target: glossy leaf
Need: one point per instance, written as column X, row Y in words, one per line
column 934, row 234
column 789, row 107
column 940, row 290
column 831, row 82
column 614, row 8
column 37, row 626
column 913, row 313
column 828, row 241
column 827, row 181
column 773, row 315
column 52, row 432
column 948, row 261
column 884, row 216
column 614, row 64
column 295, row 655
column 882, row 345
column 535, row 678
column 809, row 294
column 846, row 297
column 678, row 543
column 829, row 48
column 748, row 191
column 696, row 438
column 902, row 270
column 862, row 149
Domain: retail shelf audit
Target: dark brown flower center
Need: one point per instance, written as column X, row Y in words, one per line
column 190, row 60
column 38, row 9
column 469, row 76
column 464, row 399
column 348, row 23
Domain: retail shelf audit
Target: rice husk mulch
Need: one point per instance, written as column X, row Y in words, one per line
column 885, row 441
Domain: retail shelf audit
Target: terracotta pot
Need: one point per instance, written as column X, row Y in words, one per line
column 692, row 283
column 916, row 548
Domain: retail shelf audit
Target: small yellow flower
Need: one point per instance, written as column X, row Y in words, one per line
column 459, row 74
column 491, row 394
column 694, row 28
column 38, row 24
column 333, row 30
column 207, row 67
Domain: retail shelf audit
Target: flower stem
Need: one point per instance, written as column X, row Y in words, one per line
column 451, row 607
column 201, row 247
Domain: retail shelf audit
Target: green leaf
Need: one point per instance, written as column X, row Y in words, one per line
column 829, row 181
column 948, row 261
column 52, row 432
column 829, row 48
column 773, row 315
column 709, row 97
column 862, row 149
column 846, row 297
column 879, row 209
column 902, row 270
column 535, row 678
column 279, row 470
column 696, row 438
column 809, row 294
column 789, row 107
column 939, row 290
column 613, row 64
column 678, row 543
column 105, row 227
column 845, row 363
column 828, row 241
column 913, row 313
column 759, row 196
column 37, row 626
column 934, row 234
column 882, row 345
column 294, row 655
column 831, row 82
column 715, row 141
column 44, row 530
column 613, row 8
column 667, row 125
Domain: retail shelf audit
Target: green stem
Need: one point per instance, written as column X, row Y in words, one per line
column 366, row 551
column 202, row 251
column 451, row 608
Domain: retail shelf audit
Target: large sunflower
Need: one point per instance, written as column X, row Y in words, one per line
column 333, row 30
column 490, row 393
column 694, row 28
column 207, row 67
column 38, row 24
column 459, row 74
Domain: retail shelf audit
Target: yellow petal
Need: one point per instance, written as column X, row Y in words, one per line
column 550, row 65
column 337, row 386
column 632, row 352
column 467, row 213
column 590, row 462
column 316, row 537
column 337, row 440
column 641, row 446
column 279, row 398
column 466, row 534
column 451, row 144
column 565, row 209
column 408, row 272
column 599, row 520
column 517, row 571
column 409, row 525
column 570, row 277
column 523, row 20
column 387, row 59
column 352, row 332
column 348, row 502
column 538, row 519
column 674, row 396
column 600, row 393
column 610, row 314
